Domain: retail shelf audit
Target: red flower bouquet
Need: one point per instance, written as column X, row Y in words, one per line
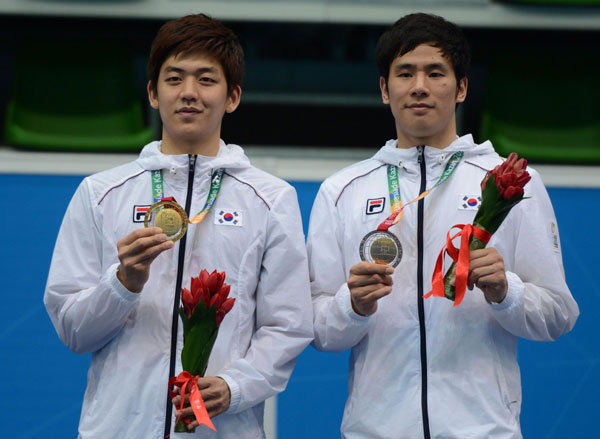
column 204, row 307
column 501, row 190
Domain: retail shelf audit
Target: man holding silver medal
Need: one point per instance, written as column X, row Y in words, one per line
column 424, row 368
column 114, row 285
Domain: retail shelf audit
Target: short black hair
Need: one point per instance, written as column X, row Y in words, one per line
column 415, row 29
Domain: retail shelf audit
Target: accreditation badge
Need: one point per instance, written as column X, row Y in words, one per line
column 170, row 217
column 381, row 247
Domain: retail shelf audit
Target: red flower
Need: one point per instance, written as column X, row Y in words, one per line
column 210, row 290
column 510, row 176
column 188, row 302
column 224, row 309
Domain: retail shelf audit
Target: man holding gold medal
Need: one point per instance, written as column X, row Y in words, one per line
column 116, row 277
column 425, row 368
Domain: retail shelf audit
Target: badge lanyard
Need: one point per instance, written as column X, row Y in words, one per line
column 394, row 188
column 215, row 186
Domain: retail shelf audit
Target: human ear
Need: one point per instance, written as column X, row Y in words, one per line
column 461, row 90
column 152, row 95
column 384, row 90
column 233, row 100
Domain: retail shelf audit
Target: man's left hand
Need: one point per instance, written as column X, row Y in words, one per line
column 487, row 272
column 216, row 395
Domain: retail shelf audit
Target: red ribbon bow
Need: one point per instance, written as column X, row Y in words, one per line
column 183, row 380
column 462, row 259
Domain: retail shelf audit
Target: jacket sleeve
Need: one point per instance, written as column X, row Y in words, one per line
column 538, row 305
column 337, row 327
column 86, row 302
column 283, row 311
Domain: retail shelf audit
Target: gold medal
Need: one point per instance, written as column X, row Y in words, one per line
column 169, row 220
column 381, row 247
column 170, row 217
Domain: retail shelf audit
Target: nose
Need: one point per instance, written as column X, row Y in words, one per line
column 420, row 88
column 189, row 90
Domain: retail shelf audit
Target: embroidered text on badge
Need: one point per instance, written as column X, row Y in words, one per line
column 228, row 217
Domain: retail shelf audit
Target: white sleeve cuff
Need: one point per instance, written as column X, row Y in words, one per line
column 344, row 303
column 234, row 390
column 118, row 287
column 515, row 292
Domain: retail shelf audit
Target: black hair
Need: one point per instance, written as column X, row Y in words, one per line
column 414, row 29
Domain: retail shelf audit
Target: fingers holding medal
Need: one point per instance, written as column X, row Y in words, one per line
column 170, row 217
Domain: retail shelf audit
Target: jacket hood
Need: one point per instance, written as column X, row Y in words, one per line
column 475, row 153
column 229, row 157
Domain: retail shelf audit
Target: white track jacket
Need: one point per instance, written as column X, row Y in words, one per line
column 130, row 335
column 423, row 368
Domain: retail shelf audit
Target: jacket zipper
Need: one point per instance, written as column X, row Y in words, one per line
column 177, row 299
column 420, row 293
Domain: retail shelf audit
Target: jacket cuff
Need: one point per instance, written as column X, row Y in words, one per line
column 118, row 287
column 344, row 303
column 515, row 292
column 234, row 390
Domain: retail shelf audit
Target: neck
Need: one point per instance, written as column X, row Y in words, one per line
column 439, row 140
column 205, row 147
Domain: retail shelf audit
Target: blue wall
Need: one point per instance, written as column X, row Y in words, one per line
column 42, row 382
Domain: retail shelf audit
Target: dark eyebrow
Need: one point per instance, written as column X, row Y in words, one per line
column 436, row 66
column 428, row 67
column 171, row 69
column 404, row 66
column 200, row 71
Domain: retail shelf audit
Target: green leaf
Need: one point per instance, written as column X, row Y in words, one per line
column 181, row 427
column 184, row 318
column 449, row 290
column 200, row 333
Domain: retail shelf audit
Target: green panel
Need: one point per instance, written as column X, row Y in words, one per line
column 544, row 106
column 75, row 96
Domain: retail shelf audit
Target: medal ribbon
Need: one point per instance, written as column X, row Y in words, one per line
column 158, row 191
column 462, row 259
column 394, row 187
column 183, row 380
column 215, row 186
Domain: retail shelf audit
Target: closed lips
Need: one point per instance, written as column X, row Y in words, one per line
column 188, row 110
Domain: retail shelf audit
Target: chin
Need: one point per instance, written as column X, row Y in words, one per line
column 420, row 133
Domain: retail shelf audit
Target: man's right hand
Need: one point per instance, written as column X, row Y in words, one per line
column 136, row 252
column 368, row 283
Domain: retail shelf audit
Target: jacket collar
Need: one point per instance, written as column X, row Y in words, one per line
column 229, row 157
column 436, row 158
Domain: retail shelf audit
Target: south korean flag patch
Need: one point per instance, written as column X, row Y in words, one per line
column 228, row 217
column 469, row 202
